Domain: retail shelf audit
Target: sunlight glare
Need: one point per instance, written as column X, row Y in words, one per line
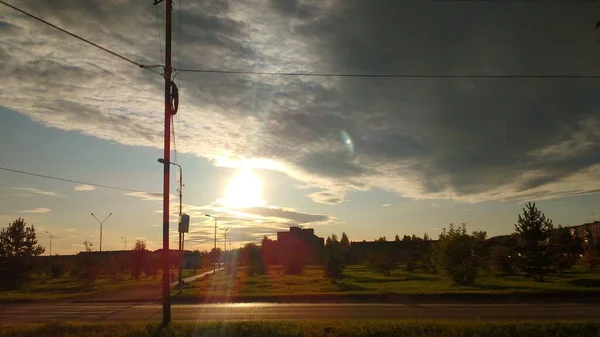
column 243, row 191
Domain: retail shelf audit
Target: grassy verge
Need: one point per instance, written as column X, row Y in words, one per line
column 311, row 328
column 359, row 281
column 63, row 287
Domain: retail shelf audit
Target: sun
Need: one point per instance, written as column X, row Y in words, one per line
column 244, row 190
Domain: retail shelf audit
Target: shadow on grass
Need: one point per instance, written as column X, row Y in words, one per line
column 585, row 282
column 343, row 286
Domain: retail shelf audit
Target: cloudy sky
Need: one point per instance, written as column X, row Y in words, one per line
column 368, row 156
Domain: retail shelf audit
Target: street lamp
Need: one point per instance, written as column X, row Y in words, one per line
column 215, row 247
column 125, row 246
column 50, row 253
column 101, row 222
column 225, row 233
column 181, row 235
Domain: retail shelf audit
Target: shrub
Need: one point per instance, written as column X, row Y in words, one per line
column 456, row 255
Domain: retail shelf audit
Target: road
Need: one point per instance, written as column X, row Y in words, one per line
column 46, row 312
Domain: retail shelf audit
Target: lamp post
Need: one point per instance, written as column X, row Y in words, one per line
column 180, row 190
column 101, row 223
column 50, row 253
column 125, row 244
column 215, row 247
column 225, row 233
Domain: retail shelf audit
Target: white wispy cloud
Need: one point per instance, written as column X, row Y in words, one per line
column 35, row 211
column 148, row 196
column 35, row 191
column 82, row 188
column 386, row 205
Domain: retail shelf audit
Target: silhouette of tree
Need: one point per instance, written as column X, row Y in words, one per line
column 397, row 238
column 426, row 237
column 138, row 259
column 406, row 238
column 456, row 254
column 89, row 247
column 565, row 248
column 381, row 239
column 18, row 244
column 534, row 231
column 334, row 258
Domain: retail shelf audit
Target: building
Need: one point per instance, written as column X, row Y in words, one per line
column 580, row 230
column 299, row 244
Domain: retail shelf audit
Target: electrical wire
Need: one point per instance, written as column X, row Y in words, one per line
column 76, row 181
column 124, row 58
column 416, row 76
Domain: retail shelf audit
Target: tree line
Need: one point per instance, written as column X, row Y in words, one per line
column 536, row 248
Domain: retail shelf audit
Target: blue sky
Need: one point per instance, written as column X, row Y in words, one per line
column 268, row 152
column 38, row 149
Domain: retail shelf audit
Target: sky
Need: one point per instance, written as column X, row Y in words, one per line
column 367, row 156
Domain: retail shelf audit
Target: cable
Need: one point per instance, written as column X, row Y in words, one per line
column 76, row 181
column 81, row 38
column 274, row 73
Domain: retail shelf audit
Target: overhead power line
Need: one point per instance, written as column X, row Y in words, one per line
column 124, row 58
column 434, row 76
column 76, row 181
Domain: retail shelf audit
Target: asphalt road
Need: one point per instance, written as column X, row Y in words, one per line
column 46, row 312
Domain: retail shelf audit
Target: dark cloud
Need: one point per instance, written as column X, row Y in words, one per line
column 471, row 140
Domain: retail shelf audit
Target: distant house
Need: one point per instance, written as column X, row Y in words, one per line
column 299, row 243
column 580, row 230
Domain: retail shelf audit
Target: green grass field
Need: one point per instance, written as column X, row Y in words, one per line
column 45, row 288
column 360, row 280
column 311, row 328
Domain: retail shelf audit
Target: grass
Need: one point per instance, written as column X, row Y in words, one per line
column 311, row 328
column 63, row 287
column 358, row 280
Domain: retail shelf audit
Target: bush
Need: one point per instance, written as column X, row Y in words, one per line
column 504, row 261
column 381, row 262
column 294, row 266
column 57, row 270
column 457, row 256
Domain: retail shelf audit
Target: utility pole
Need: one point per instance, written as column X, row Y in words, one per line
column 166, row 165
column 124, row 238
column 101, row 223
column 215, row 246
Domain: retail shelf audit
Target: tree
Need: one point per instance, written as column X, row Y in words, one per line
column 344, row 241
column 397, row 238
column 18, row 244
column 138, row 259
column 381, row 261
column 269, row 252
column 456, row 254
column 534, row 231
column 252, row 257
column 381, row 239
column 406, row 238
column 334, row 258
column 565, row 248
column 426, row 237
column 89, row 247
